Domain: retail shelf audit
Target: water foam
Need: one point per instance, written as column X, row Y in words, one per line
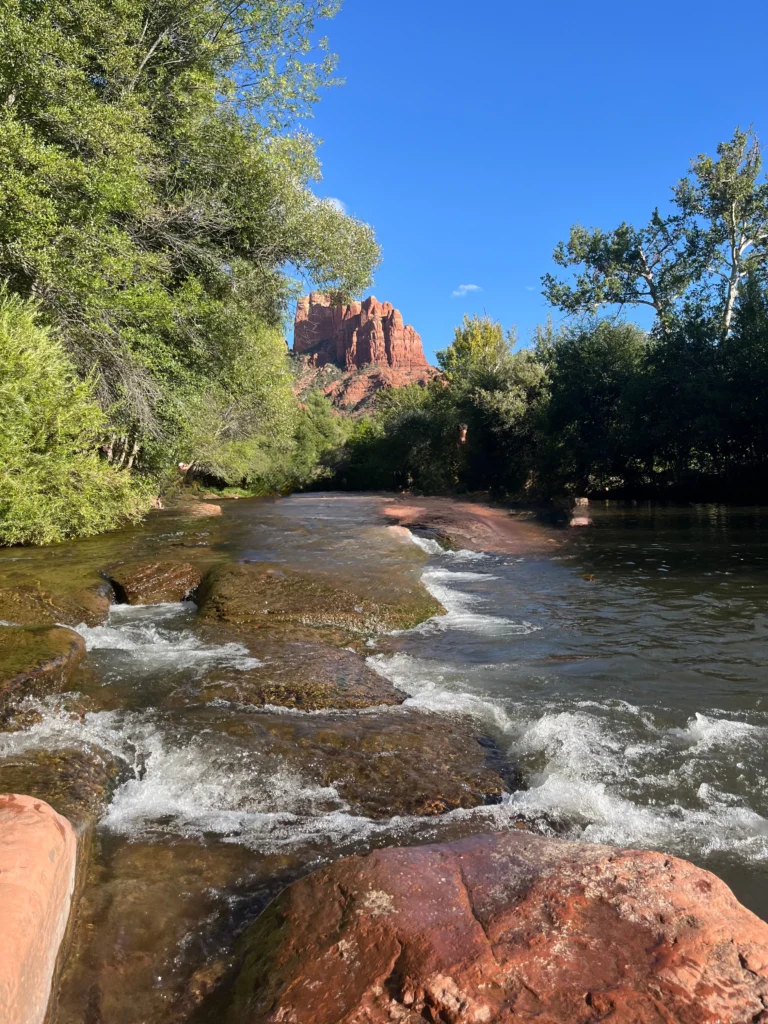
column 430, row 688
column 151, row 638
column 196, row 782
column 431, row 547
column 606, row 772
column 460, row 610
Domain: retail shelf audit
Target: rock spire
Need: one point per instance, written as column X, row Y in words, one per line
column 355, row 335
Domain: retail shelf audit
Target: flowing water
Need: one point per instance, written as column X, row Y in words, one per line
column 624, row 673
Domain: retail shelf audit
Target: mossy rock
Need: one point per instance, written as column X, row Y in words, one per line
column 36, row 661
column 409, row 764
column 256, row 596
column 151, row 582
column 76, row 783
column 393, row 762
column 305, row 676
column 31, row 605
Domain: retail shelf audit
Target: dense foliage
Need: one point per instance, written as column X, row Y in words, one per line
column 155, row 201
column 54, row 482
column 599, row 404
column 156, row 212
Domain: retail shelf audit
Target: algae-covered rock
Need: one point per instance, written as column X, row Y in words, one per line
column 35, row 661
column 258, row 595
column 389, row 763
column 403, row 764
column 31, row 605
column 305, row 676
column 154, row 582
column 76, row 783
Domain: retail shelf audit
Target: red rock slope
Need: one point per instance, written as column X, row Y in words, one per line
column 505, row 929
column 368, row 342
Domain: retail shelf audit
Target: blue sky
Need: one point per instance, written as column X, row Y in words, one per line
column 471, row 136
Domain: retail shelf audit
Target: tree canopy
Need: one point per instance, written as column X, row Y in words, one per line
column 700, row 254
column 156, row 201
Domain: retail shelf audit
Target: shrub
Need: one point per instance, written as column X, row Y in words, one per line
column 54, row 483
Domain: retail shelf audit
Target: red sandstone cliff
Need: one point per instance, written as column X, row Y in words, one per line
column 367, row 341
column 356, row 335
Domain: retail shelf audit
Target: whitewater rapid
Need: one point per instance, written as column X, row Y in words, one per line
column 608, row 770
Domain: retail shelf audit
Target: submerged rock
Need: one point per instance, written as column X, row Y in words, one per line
column 35, row 661
column 503, row 928
column 151, row 923
column 30, row 605
column 305, row 676
column 384, row 764
column 154, row 582
column 259, row 595
column 38, row 853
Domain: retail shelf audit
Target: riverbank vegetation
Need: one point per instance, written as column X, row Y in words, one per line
column 156, row 207
column 157, row 216
column 596, row 404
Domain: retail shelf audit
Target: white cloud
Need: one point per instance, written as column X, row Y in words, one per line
column 336, row 204
column 530, row 287
column 465, row 289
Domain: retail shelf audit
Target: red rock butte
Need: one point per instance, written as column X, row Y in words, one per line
column 355, row 335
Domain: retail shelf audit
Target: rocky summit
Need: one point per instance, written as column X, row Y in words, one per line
column 355, row 335
column 369, row 342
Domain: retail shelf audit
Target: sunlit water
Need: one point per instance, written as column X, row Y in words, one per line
column 625, row 674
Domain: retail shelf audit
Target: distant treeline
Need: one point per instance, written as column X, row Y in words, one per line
column 597, row 404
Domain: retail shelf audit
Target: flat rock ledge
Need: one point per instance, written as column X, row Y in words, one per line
column 28, row 605
column 305, row 676
column 38, row 854
column 503, row 929
column 261, row 596
column 154, row 582
column 35, row 661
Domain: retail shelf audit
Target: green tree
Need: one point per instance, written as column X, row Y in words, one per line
column 650, row 266
column 320, row 431
column 596, row 391
column 743, row 381
column 702, row 252
column 730, row 201
column 479, row 344
column 155, row 198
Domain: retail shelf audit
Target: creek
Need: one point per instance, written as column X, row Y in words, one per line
column 622, row 672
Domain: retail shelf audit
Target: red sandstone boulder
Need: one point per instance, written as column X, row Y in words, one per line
column 38, row 852
column 580, row 521
column 154, row 582
column 502, row 929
